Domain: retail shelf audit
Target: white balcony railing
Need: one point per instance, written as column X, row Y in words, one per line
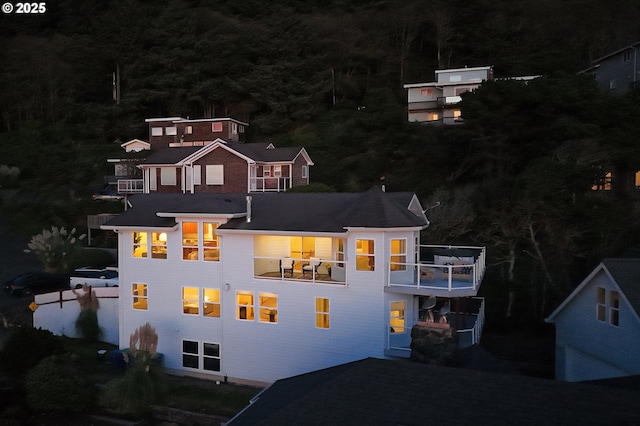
column 130, row 186
column 300, row 269
column 269, row 184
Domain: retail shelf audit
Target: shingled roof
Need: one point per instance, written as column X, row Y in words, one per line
column 307, row 212
column 384, row 392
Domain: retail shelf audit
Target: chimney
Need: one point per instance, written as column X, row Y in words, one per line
column 248, row 208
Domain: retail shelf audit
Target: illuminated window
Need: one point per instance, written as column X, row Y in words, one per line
column 140, row 244
column 159, row 245
column 398, row 258
column 608, row 309
column 244, row 301
column 211, row 248
column 340, row 253
column 365, row 259
column 268, row 307
column 189, row 240
column 397, row 317
column 190, row 300
column 322, row 312
column 426, row 92
column 216, row 127
column 140, row 298
column 457, row 114
column 214, row 174
column 433, row 116
column 638, row 180
column 211, row 302
column 602, row 181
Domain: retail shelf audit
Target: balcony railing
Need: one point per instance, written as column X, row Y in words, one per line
column 270, row 184
column 130, row 186
column 300, row 269
column 445, row 269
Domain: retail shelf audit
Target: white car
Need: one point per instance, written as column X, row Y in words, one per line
column 94, row 277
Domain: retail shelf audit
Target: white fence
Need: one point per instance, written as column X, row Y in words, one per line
column 58, row 311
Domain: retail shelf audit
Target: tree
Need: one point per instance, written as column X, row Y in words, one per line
column 55, row 248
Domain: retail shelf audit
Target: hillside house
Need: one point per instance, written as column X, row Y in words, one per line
column 598, row 325
column 265, row 286
column 437, row 102
column 617, row 72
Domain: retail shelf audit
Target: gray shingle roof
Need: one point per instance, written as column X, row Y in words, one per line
column 309, row 212
column 626, row 272
column 171, row 155
column 385, row 392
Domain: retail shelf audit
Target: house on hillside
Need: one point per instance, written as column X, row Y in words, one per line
column 437, row 102
column 598, row 325
column 204, row 155
column 619, row 71
column 268, row 285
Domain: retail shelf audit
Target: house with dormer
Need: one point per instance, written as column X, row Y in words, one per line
column 258, row 287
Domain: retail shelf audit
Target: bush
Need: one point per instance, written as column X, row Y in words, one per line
column 135, row 392
column 55, row 386
column 25, row 347
column 87, row 325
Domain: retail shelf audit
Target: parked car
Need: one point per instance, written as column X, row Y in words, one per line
column 36, row 282
column 94, row 277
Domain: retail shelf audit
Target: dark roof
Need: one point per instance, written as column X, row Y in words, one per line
column 309, row 212
column 171, row 155
column 626, row 273
column 384, row 392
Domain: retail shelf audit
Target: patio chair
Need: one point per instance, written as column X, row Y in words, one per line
column 311, row 267
column 286, row 265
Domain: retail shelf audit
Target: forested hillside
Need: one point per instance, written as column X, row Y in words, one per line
column 328, row 75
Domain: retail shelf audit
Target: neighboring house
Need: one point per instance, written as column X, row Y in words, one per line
column 598, row 327
column 382, row 392
column 437, row 102
column 266, row 286
column 619, row 71
column 222, row 166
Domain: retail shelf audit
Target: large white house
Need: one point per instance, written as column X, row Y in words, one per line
column 262, row 287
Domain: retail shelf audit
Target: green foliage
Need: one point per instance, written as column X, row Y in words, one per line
column 56, row 248
column 25, row 347
column 136, row 391
column 87, row 324
column 55, row 386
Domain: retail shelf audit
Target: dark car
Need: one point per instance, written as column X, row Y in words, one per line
column 36, row 282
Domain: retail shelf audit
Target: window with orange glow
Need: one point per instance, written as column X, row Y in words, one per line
column 211, row 302
column 159, row 245
column 268, row 307
column 322, row 312
column 397, row 317
column 365, row 258
column 210, row 241
column 190, row 300
column 190, row 240
column 398, row 257
column 140, row 240
column 245, row 304
column 140, row 298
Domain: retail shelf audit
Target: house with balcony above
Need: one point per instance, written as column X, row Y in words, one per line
column 264, row 286
column 437, row 102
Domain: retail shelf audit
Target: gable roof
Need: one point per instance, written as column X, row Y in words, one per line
column 169, row 156
column 400, row 392
column 282, row 211
column 624, row 272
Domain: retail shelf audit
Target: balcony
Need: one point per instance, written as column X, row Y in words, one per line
column 444, row 101
column 317, row 271
column 270, row 184
column 130, row 186
column 442, row 271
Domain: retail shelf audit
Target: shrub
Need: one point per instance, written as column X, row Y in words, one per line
column 55, row 248
column 87, row 321
column 55, row 386
column 25, row 347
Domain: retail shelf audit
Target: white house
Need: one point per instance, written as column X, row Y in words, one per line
column 598, row 327
column 261, row 287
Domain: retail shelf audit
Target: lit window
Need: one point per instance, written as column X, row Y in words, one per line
column 216, row 127
column 140, row 244
column 608, row 309
column 602, row 181
column 398, row 260
column 365, row 259
column 215, row 174
column 397, row 317
column 340, row 252
column 433, row 116
column 457, row 113
column 168, row 176
column 159, row 245
column 322, row 312
column 156, row 131
column 188, row 130
column 171, row 131
column 190, row 300
column 140, row 298
column 426, row 92
column 244, row 300
column 211, row 302
column 210, row 241
column 268, row 307
column 638, row 180
column 189, row 240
